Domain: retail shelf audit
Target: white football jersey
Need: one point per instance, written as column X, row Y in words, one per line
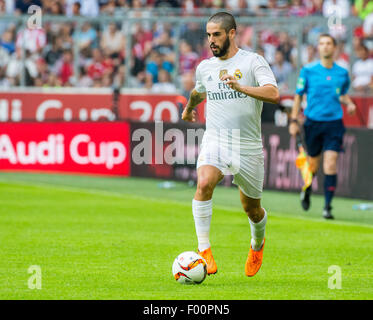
column 228, row 110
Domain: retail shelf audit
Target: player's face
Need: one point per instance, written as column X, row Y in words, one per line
column 326, row 47
column 218, row 39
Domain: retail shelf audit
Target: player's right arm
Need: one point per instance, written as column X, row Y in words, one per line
column 300, row 90
column 197, row 95
column 189, row 114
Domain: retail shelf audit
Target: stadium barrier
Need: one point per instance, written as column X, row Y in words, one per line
column 168, row 151
column 355, row 169
column 77, row 104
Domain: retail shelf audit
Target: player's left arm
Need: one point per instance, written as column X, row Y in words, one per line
column 267, row 87
column 267, row 93
column 351, row 107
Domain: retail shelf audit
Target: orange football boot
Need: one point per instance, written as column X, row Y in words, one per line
column 254, row 261
column 212, row 268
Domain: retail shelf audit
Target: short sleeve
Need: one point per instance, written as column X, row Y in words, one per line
column 262, row 72
column 346, row 85
column 301, row 82
column 199, row 87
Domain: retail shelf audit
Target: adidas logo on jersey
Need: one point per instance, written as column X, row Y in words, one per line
column 209, row 78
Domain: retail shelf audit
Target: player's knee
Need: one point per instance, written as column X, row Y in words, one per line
column 330, row 167
column 205, row 188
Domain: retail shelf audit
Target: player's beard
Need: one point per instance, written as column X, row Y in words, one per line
column 223, row 50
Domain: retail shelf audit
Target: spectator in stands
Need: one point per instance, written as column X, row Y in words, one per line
column 194, row 33
column 72, row 7
column 99, row 66
column 281, row 69
column 23, row 5
column 33, row 40
column 164, row 44
column 43, row 73
column 65, row 67
column 3, row 24
column 53, row 7
column 314, row 7
column 164, row 84
column 338, row 8
column 107, row 80
column 86, row 37
column 14, row 67
column 142, row 40
column 341, row 57
column 76, row 7
column 89, row 8
column 167, row 4
column 297, row 9
column 187, row 83
column 113, row 41
column 7, row 42
column 65, row 33
column 84, row 80
column 188, row 58
column 362, row 71
column 363, row 8
column 53, row 81
column 285, row 45
column 236, row 6
column 109, row 7
column 7, row 7
column 55, row 53
column 4, row 60
column 156, row 63
column 309, row 54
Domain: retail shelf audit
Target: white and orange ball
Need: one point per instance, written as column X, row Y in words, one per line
column 189, row 268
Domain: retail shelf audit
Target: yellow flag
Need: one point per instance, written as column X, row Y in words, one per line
column 302, row 164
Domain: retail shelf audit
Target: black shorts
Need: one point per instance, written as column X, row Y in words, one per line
column 323, row 135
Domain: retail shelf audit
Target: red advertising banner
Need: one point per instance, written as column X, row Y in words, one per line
column 99, row 148
column 87, row 105
column 74, row 104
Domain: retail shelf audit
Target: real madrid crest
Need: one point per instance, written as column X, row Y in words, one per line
column 238, row 74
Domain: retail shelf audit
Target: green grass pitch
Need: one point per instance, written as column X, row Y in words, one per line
column 116, row 238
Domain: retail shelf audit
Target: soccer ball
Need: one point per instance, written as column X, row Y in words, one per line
column 189, row 268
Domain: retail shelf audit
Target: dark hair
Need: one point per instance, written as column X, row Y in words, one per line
column 329, row 36
column 225, row 19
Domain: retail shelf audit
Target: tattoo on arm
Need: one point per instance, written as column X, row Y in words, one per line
column 195, row 99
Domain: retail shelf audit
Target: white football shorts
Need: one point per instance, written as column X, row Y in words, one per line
column 247, row 169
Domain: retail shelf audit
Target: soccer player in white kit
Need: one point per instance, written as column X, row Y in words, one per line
column 235, row 83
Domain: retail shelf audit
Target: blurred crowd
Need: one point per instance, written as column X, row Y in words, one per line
column 52, row 59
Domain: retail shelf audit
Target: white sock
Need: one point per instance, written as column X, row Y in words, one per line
column 202, row 212
column 257, row 232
